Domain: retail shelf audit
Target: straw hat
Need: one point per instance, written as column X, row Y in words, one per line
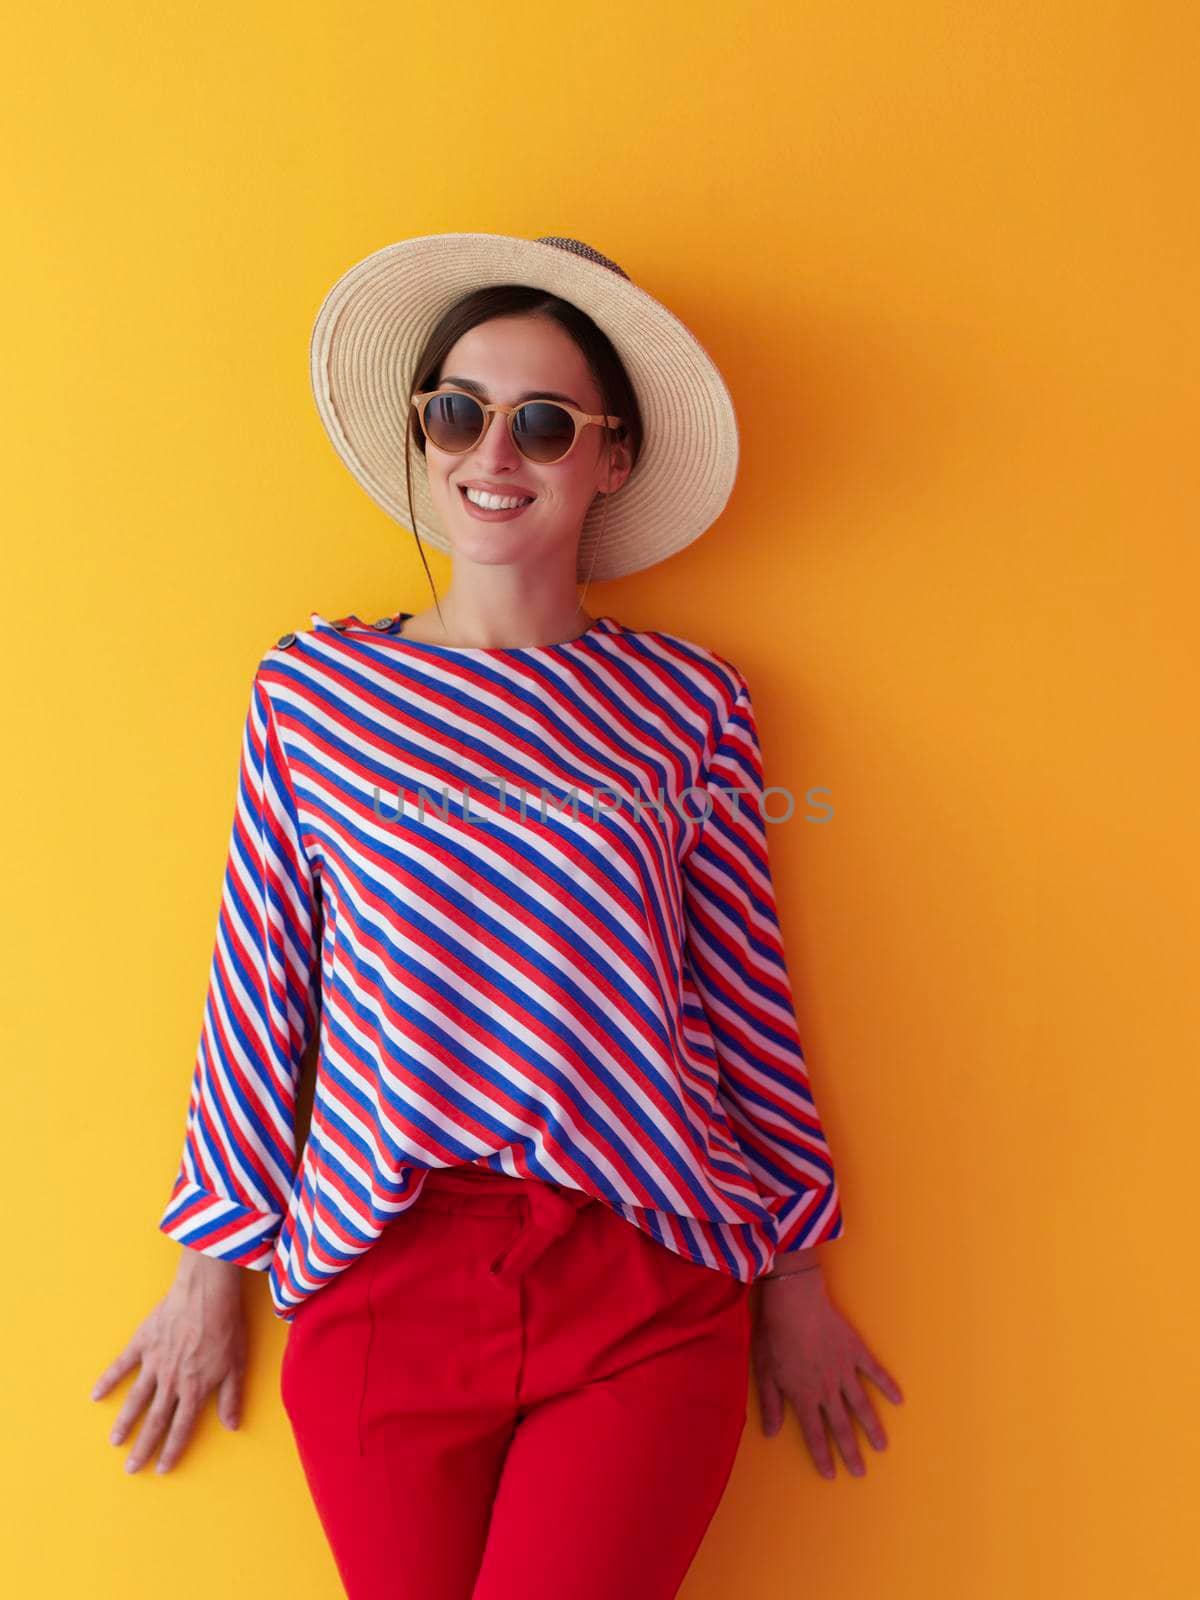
column 374, row 321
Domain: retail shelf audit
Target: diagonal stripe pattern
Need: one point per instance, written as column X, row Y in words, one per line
column 523, row 895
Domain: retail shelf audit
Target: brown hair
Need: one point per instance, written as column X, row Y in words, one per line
column 516, row 299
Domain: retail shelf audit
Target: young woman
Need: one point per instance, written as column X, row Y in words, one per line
column 505, row 862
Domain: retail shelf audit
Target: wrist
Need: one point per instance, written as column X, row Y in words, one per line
column 195, row 1264
column 793, row 1267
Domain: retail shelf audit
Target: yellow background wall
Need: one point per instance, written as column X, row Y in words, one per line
column 946, row 255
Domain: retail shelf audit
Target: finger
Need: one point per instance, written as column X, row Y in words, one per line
column 770, row 1398
column 125, row 1362
column 157, row 1419
column 879, row 1375
column 843, row 1432
column 142, row 1391
column 182, row 1423
column 812, row 1425
column 860, row 1404
column 229, row 1398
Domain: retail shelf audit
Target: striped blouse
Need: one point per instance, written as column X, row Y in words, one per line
column 522, row 894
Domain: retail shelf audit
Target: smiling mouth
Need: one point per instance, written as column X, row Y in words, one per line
column 522, row 500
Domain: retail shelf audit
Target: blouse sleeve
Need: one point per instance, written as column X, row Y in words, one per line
column 736, row 956
column 239, row 1152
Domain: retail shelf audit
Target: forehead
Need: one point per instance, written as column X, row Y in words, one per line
column 512, row 356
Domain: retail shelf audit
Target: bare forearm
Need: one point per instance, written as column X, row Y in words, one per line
column 195, row 1265
column 800, row 1259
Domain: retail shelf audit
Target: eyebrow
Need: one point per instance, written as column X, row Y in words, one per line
column 530, row 394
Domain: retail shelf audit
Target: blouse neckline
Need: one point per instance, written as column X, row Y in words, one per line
column 393, row 635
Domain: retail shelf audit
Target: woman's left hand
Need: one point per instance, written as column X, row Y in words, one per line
column 805, row 1350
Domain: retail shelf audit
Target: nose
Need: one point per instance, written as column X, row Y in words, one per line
column 496, row 442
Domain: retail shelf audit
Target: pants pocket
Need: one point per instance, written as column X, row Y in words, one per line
column 321, row 1372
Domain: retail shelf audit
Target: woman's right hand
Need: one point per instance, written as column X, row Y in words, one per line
column 193, row 1341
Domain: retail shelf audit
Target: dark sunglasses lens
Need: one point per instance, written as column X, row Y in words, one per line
column 453, row 421
column 543, row 431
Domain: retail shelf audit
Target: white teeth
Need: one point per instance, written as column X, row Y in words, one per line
column 494, row 502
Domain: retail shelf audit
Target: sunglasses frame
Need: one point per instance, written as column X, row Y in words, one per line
column 581, row 419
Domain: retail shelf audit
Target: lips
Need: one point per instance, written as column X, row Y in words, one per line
column 524, row 500
column 499, row 514
column 509, row 491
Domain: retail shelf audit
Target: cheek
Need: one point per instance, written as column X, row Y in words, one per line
column 573, row 486
column 441, row 490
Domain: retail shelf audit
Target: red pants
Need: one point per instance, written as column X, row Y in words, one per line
column 515, row 1394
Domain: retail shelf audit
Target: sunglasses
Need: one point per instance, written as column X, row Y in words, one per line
column 542, row 430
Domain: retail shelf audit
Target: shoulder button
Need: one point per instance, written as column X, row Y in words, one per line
column 385, row 622
column 287, row 639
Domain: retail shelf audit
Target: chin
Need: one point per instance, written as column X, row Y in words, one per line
column 487, row 547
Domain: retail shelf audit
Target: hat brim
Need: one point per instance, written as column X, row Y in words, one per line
column 375, row 319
